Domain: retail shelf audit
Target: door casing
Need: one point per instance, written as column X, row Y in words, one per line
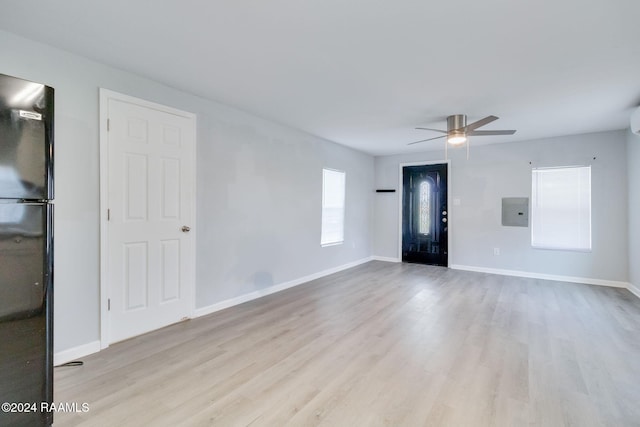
column 449, row 203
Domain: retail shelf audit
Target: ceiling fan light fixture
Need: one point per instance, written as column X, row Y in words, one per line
column 456, row 133
column 456, row 138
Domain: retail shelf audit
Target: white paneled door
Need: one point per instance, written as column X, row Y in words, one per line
column 151, row 190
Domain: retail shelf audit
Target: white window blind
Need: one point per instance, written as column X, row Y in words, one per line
column 333, row 195
column 561, row 208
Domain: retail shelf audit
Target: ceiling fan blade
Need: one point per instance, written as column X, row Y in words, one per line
column 435, row 130
column 424, row 140
column 479, row 123
column 491, row 132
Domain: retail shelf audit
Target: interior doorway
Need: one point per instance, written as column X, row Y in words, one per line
column 425, row 214
column 148, row 200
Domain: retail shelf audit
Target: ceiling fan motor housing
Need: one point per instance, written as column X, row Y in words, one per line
column 457, row 121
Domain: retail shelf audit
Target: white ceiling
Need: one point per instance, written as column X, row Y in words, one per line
column 364, row 73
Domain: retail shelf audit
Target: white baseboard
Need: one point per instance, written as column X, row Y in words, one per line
column 203, row 311
column 634, row 290
column 585, row 280
column 75, row 353
column 386, row 259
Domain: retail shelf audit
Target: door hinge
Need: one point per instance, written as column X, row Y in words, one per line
column 108, row 125
column 108, row 214
column 109, row 304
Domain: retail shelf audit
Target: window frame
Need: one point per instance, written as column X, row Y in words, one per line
column 547, row 218
column 327, row 233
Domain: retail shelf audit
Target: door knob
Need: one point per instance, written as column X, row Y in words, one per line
column 185, row 229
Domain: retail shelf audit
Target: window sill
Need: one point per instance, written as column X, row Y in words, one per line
column 324, row 245
column 550, row 248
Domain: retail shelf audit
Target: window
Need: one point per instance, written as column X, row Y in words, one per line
column 424, row 220
column 561, row 208
column 333, row 193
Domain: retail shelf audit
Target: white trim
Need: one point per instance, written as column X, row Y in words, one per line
column 76, row 352
column 572, row 279
column 104, row 188
column 326, row 245
column 203, row 311
column 449, row 203
column 105, row 96
column 385, row 259
column 634, row 290
column 110, row 94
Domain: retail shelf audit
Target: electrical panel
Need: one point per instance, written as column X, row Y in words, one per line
column 515, row 211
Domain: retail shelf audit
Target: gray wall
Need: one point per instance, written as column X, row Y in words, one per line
column 503, row 170
column 258, row 189
column 633, row 167
column 259, row 206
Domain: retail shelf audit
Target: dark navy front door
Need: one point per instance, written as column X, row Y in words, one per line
column 425, row 217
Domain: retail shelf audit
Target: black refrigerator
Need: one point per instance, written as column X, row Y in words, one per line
column 26, row 252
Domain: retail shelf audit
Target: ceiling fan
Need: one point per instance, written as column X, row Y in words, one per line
column 458, row 131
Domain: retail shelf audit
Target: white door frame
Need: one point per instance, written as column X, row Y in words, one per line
column 449, row 203
column 105, row 96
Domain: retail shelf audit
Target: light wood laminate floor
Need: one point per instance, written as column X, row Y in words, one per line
column 379, row 345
